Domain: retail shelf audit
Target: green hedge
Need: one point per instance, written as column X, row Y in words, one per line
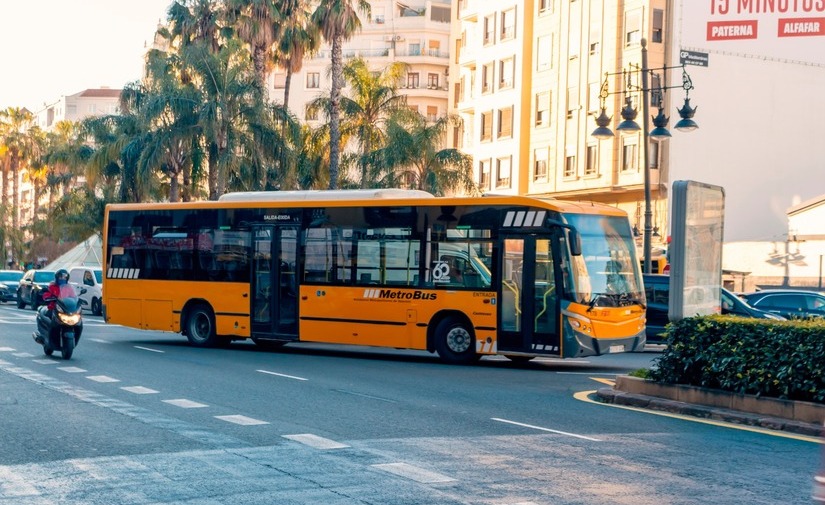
column 780, row 359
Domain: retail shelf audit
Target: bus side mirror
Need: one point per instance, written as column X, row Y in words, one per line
column 575, row 242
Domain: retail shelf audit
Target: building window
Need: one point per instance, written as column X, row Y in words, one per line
column 630, row 157
column 540, row 165
column 311, row 113
column 593, row 98
column 486, row 125
column 657, row 34
column 570, row 166
column 434, row 48
column 412, row 80
column 633, row 28
column 507, row 72
column 591, row 161
column 484, row 174
column 545, row 6
column 313, row 80
column 653, row 154
column 505, row 123
column 414, row 49
column 432, row 81
column 543, row 109
column 458, row 91
column 279, row 81
column 543, row 52
column 503, row 172
column 655, row 90
column 432, row 113
column 489, row 29
column 508, row 24
column 572, row 101
column 413, row 108
column 487, row 78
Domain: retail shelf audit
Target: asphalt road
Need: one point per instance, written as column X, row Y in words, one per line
column 140, row 417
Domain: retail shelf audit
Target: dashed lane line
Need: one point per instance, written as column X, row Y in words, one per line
column 282, row 375
column 414, row 473
column 315, row 441
column 242, row 420
column 540, row 428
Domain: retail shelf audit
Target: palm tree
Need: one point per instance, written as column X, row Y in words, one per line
column 19, row 138
column 296, row 38
column 255, row 22
column 414, row 157
column 337, row 21
column 374, row 99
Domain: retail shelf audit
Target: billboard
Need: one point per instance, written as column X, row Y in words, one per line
column 785, row 30
column 696, row 250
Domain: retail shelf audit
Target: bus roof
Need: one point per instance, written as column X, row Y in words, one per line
column 369, row 198
column 324, row 195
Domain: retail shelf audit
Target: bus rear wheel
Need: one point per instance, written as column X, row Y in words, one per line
column 454, row 341
column 200, row 326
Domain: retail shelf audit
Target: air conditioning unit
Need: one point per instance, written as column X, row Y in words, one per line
column 398, row 38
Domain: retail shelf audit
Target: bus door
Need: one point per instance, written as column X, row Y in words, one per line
column 274, row 288
column 528, row 308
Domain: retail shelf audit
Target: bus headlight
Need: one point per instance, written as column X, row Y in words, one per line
column 579, row 325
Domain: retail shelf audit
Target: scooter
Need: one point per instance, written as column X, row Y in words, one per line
column 60, row 329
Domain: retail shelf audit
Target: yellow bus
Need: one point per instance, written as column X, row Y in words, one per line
column 464, row 277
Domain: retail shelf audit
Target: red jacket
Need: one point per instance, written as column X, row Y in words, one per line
column 54, row 292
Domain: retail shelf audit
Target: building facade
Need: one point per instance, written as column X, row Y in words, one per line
column 531, row 76
column 415, row 33
column 79, row 106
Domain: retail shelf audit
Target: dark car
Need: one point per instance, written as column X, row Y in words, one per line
column 9, row 279
column 31, row 286
column 657, row 292
column 788, row 303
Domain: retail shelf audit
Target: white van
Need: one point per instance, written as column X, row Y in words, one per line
column 91, row 279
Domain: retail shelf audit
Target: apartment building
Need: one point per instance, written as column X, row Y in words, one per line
column 76, row 107
column 413, row 32
column 529, row 76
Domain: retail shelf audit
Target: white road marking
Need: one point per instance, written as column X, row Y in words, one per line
column 23, row 354
column 5, row 363
column 149, row 349
column 6, row 349
column 99, row 341
column 282, row 375
column 139, row 390
column 243, row 420
column 545, row 429
column 413, row 473
column 102, row 378
column 45, row 361
column 185, row 404
column 316, row 441
column 71, row 369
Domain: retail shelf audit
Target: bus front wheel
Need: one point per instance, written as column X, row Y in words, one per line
column 454, row 341
column 200, row 327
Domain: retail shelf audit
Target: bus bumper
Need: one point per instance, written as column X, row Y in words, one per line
column 581, row 344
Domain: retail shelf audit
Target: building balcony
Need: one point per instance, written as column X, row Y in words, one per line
column 468, row 10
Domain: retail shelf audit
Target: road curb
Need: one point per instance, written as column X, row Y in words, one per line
column 634, row 392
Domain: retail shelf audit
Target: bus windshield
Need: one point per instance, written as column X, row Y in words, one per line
column 607, row 273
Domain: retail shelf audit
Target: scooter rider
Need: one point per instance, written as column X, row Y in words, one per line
column 61, row 278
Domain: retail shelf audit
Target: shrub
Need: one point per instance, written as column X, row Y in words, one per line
column 781, row 359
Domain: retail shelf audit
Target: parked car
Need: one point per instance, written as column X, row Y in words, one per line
column 31, row 286
column 789, row 303
column 9, row 279
column 91, row 280
column 657, row 292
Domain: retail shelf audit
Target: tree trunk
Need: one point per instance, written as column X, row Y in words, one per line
column 335, row 112
column 187, row 184
column 287, row 82
column 15, row 195
column 212, row 176
column 5, row 183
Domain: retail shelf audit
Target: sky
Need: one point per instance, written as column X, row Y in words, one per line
column 52, row 48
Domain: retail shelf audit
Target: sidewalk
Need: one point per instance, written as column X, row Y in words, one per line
column 802, row 418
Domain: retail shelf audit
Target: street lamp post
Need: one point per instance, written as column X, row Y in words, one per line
column 659, row 133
